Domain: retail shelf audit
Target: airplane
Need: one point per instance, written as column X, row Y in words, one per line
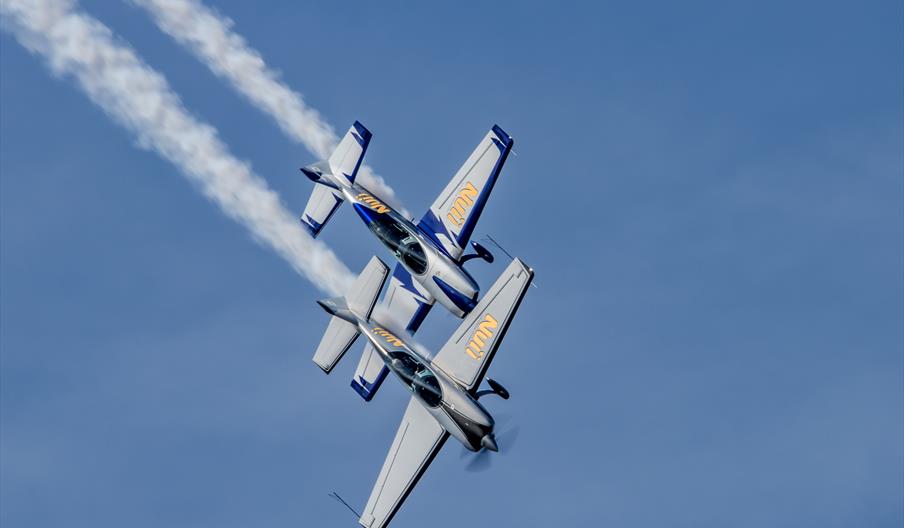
column 444, row 389
column 430, row 254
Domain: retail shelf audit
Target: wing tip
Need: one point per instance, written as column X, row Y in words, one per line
column 503, row 137
column 362, row 131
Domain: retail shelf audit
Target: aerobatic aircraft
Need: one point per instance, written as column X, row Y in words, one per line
column 444, row 390
column 430, row 253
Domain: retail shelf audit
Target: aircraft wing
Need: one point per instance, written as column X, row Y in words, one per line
column 468, row 353
column 452, row 217
column 416, row 443
column 406, row 302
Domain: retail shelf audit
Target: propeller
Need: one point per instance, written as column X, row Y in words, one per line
column 483, row 460
column 505, row 441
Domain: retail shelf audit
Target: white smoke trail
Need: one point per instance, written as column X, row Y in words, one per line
column 209, row 36
column 140, row 99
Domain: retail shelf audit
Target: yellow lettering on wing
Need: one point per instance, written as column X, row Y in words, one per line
column 462, row 204
column 372, row 203
column 485, row 330
column 455, row 217
column 469, row 192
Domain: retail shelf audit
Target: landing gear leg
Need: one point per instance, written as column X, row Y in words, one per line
column 495, row 388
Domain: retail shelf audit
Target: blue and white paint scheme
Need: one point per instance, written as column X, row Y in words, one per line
column 429, row 253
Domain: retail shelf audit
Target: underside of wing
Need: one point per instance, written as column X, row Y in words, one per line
column 405, row 303
column 416, row 444
column 468, row 353
column 452, row 217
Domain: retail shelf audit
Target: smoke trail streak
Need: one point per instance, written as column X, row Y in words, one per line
column 137, row 97
column 209, row 36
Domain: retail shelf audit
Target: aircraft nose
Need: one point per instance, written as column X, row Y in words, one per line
column 489, row 442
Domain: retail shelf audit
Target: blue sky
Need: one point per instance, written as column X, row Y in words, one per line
column 710, row 193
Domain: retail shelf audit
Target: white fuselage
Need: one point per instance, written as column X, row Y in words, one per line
column 429, row 265
column 454, row 408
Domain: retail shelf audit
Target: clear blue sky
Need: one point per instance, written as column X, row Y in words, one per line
column 711, row 195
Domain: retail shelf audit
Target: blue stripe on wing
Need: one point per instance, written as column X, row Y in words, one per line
column 407, row 281
column 504, row 142
column 431, row 226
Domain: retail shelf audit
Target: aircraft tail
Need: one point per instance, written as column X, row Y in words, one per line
column 331, row 175
column 322, row 204
column 347, row 311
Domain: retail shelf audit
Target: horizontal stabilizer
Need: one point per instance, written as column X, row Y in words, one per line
column 338, row 338
column 346, row 159
column 370, row 373
column 358, row 304
column 405, row 304
column 321, row 173
column 322, row 204
column 364, row 292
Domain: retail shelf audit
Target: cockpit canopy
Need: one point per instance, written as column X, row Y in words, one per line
column 400, row 241
column 419, row 378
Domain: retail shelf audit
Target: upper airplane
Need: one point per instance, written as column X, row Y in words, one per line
column 429, row 254
column 444, row 389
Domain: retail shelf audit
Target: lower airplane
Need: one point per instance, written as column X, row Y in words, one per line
column 444, row 389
